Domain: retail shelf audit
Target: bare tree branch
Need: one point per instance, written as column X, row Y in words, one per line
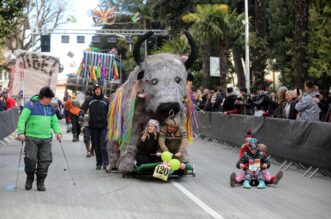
column 40, row 14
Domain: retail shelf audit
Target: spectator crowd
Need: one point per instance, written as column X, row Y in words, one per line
column 308, row 105
column 6, row 102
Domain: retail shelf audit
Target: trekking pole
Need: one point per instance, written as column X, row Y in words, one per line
column 19, row 164
column 65, row 157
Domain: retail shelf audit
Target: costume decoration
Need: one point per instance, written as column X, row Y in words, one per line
column 100, row 67
column 160, row 83
column 103, row 14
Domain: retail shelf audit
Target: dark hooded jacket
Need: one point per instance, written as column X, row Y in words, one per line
column 98, row 111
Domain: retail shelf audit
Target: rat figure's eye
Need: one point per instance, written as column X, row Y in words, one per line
column 154, row 81
column 178, row 80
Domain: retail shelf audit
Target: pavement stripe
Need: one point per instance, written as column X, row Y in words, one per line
column 197, row 201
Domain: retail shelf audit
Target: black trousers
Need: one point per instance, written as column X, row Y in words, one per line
column 75, row 125
column 99, row 144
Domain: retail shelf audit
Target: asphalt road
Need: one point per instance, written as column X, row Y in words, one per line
column 208, row 195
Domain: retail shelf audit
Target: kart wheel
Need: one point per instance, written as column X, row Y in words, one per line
column 193, row 172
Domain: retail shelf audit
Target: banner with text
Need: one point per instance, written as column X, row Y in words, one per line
column 33, row 71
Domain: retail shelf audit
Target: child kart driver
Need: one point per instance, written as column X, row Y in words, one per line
column 252, row 163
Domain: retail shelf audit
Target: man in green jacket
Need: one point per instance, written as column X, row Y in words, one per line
column 34, row 126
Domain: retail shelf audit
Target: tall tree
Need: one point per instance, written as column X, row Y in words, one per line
column 206, row 28
column 11, row 14
column 41, row 15
column 236, row 44
column 280, row 27
column 300, row 41
column 319, row 44
column 169, row 13
column 126, row 5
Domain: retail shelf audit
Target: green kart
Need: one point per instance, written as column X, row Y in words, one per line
column 149, row 169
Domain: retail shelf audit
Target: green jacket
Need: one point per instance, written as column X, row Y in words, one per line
column 37, row 120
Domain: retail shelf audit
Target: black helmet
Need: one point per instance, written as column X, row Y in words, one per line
column 46, row 92
column 97, row 86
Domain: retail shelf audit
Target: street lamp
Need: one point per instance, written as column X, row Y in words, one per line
column 247, row 64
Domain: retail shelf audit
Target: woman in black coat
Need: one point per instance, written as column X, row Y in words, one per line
column 148, row 143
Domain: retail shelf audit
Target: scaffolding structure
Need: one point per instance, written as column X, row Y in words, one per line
column 106, row 32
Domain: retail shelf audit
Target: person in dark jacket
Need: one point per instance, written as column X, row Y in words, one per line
column 247, row 108
column 261, row 101
column 328, row 113
column 97, row 106
column 253, row 162
column 213, row 103
column 2, row 104
column 289, row 111
column 229, row 101
column 148, row 143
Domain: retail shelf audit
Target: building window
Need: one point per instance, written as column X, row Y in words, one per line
column 64, row 39
column 80, row 39
column 96, row 39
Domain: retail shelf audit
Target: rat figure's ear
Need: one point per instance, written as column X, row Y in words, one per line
column 190, row 77
column 140, row 75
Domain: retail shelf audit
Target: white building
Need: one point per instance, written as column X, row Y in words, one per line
column 4, row 79
column 69, row 49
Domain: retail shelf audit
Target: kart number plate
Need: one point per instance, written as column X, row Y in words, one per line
column 254, row 165
column 161, row 172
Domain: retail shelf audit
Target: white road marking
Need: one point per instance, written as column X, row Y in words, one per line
column 197, row 201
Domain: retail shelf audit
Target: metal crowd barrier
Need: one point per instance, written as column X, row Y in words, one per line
column 304, row 145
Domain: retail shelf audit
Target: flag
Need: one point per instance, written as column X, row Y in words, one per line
column 71, row 19
column 136, row 17
column 115, row 71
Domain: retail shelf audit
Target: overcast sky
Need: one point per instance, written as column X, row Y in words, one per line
column 79, row 9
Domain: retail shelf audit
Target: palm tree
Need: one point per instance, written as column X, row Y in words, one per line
column 216, row 22
column 147, row 12
column 177, row 45
column 300, row 41
column 236, row 45
column 204, row 27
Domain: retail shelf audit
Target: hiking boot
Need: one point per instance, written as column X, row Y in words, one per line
column 233, row 179
column 98, row 167
column 29, row 181
column 40, row 183
column 261, row 185
column 74, row 138
column 278, row 176
column 246, row 184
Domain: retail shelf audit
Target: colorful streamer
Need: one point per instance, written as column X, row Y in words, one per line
column 98, row 66
column 191, row 114
column 120, row 119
